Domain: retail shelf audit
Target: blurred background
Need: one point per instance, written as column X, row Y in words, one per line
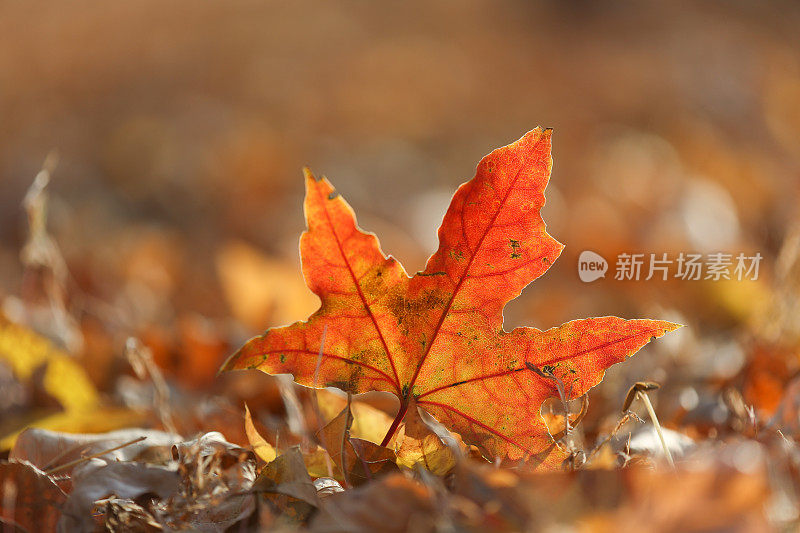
column 180, row 130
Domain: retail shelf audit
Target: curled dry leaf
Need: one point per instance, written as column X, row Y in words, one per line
column 50, row 449
column 357, row 460
column 201, row 484
column 287, row 475
column 437, row 340
column 216, row 478
column 369, row 423
column 286, row 487
column 420, row 444
column 122, row 480
column 209, row 444
column 327, row 486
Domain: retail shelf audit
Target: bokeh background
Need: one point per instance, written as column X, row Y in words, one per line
column 180, row 130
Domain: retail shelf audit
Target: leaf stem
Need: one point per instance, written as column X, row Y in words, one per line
column 70, row 464
column 654, row 419
column 396, row 422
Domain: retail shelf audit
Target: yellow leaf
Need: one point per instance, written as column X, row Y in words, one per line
column 261, row 289
column 64, row 379
column 261, row 447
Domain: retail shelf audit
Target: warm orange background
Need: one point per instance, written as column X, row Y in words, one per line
column 182, row 129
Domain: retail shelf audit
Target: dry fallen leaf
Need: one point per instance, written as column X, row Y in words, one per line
column 284, row 484
column 358, row 460
column 369, row 423
column 50, row 449
column 420, row 444
column 28, row 497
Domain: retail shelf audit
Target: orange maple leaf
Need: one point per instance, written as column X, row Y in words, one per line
column 436, row 340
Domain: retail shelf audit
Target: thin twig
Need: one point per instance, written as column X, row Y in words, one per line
column 141, row 360
column 93, row 456
column 315, row 399
column 316, row 379
column 42, row 258
column 345, row 438
column 622, row 421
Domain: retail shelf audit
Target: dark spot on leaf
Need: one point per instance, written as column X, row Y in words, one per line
column 457, row 254
column 407, row 311
column 339, row 384
column 355, row 376
column 333, row 195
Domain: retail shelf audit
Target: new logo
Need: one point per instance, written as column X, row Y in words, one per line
column 591, row 266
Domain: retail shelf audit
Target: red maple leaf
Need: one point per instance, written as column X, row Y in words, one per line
column 436, row 340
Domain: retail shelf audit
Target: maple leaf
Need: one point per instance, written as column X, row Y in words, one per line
column 436, row 340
